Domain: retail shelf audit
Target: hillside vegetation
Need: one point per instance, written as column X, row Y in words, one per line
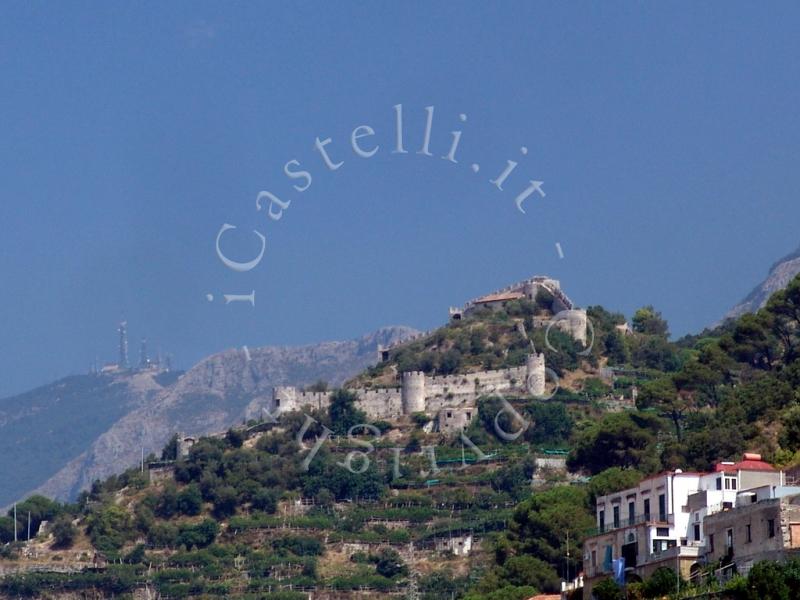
column 265, row 512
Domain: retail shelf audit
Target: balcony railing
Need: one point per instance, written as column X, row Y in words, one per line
column 650, row 519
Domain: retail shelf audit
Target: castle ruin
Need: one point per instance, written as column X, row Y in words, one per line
column 452, row 399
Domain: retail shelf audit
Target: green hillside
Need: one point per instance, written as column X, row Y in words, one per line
column 259, row 513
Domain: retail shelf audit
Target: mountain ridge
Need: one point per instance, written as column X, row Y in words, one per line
column 780, row 273
column 131, row 411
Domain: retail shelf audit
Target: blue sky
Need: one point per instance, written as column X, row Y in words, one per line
column 666, row 137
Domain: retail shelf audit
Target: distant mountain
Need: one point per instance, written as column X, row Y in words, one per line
column 60, row 437
column 780, row 274
column 43, row 429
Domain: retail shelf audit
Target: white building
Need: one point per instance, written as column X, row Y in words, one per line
column 660, row 521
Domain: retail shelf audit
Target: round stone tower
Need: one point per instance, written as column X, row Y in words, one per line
column 413, row 392
column 535, row 375
column 576, row 324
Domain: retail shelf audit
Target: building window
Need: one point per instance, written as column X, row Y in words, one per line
column 663, row 545
column 662, row 531
column 771, row 528
column 602, row 520
column 719, row 483
column 662, row 507
column 697, row 533
column 711, row 542
column 616, row 517
column 594, row 558
column 647, row 509
column 729, row 538
column 631, row 513
column 748, row 534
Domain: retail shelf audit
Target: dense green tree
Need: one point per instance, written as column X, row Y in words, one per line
column 225, row 502
column 389, row 563
column 654, row 352
column 190, row 500
column 705, row 447
column 551, row 424
column 451, row 362
column 514, row 478
column 540, row 524
column 199, row 535
column 752, row 341
column 790, row 432
column 64, row 532
column 610, row 481
column 266, row 500
column 235, row 437
column 109, row 527
column 617, row 440
column 40, row 509
column 608, row 589
column 6, row 530
column 527, row 570
column 767, row 581
column 343, row 412
column 616, row 349
column 661, row 583
column 663, row 395
column 649, row 321
column 170, row 451
column 167, row 504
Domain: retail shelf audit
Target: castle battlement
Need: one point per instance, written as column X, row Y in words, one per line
column 419, row 393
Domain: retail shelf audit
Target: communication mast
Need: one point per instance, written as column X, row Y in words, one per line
column 123, row 345
column 144, row 361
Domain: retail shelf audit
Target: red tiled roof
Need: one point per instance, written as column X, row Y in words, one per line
column 744, row 465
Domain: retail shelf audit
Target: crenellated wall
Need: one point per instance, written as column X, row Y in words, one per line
column 422, row 394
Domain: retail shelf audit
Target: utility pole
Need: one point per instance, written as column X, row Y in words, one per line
column 15, row 521
column 142, row 468
column 29, row 526
column 568, row 578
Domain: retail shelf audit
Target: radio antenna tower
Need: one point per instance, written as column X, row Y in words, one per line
column 123, row 345
column 144, row 361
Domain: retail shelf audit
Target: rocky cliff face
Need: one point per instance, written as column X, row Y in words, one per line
column 221, row 390
column 780, row 274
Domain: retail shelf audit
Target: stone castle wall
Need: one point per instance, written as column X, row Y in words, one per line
column 422, row 394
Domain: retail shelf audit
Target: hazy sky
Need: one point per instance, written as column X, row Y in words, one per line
column 666, row 137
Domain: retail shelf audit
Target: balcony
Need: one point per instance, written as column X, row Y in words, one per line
column 644, row 519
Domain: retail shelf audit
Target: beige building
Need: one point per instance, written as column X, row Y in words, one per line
column 659, row 523
column 764, row 524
